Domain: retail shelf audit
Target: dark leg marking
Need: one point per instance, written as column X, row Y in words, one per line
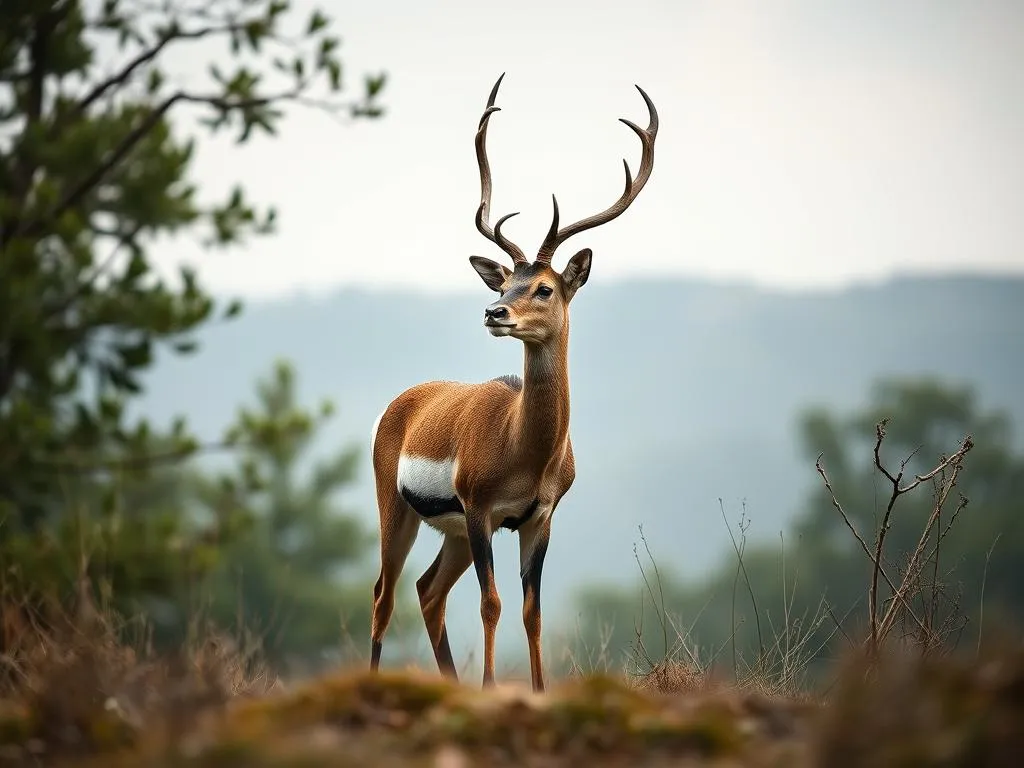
column 490, row 603
column 513, row 523
column 432, row 507
column 376, row 645
column 375, row 649
column 531, row 569
column 531, row 579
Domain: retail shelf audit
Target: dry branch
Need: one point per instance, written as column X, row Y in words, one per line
column 946, row 472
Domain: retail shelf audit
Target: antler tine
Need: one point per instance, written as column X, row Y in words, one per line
column 556, row 236
column 483, row 212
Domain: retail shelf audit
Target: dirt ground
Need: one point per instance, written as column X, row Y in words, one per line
column 904, row 712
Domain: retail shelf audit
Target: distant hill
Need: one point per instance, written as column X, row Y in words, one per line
column 683, row 392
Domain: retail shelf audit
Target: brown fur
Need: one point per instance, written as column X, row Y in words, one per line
column 507, row 444
column 510, row 446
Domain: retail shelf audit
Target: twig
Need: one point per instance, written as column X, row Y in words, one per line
column 839, row 507
column 955, row 460
column 984, row 578
column 742, row 568
column 143, row 58
column 836, row 621
column 853, row 529
column 786, row 599
column 899, row 599
column 661, row 591
column 101, row 269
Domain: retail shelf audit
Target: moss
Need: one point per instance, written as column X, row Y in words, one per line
column 941, row 714
column 230, row 753
column 16, row 723
column 352, row 700
column 423, row 715
column 109, row 730
column 709, row 732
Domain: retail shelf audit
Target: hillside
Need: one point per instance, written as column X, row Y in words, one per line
column 683, row 392
column 914, row 710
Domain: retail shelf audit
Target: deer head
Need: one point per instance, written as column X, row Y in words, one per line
column 533, row 303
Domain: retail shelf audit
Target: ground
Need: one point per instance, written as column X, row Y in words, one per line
column 904, row 711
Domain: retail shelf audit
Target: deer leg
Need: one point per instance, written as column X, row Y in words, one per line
column 399, row 526
column 433, row 588
column 533, row 546
column 490, row 604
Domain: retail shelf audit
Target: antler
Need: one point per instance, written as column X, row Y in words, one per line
column 483, row 212
column 556, row 236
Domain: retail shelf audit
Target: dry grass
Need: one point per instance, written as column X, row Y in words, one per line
column 75, row 692
column 79, row 698
column 908, row 605
column 908, row 709
column 71, row 684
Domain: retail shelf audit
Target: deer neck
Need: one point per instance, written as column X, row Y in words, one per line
column 543, row 414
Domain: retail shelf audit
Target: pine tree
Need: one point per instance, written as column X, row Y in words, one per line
column 90, row 173
column 299, row 575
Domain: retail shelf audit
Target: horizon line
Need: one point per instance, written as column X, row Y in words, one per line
column 366, row 288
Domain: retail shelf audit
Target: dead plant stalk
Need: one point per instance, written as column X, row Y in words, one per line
column 948, row 470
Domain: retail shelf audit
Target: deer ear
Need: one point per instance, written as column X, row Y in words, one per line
column 491, row 272
column 577, row 271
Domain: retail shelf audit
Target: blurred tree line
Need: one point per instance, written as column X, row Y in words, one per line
column 802, row 597
column 92, row 172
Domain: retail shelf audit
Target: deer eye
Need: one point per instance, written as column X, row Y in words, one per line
column 544, row 291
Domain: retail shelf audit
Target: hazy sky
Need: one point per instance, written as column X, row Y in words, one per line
column 806, row 145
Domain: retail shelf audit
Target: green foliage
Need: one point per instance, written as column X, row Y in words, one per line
column 296, row 574
column 807, row 593
column 92, row 169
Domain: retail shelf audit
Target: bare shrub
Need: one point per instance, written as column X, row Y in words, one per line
column 921, row 606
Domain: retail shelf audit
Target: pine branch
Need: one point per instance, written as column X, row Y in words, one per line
column 122, row 77
column 78, row 192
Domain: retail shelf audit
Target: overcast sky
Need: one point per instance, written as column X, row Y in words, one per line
column 807, row 145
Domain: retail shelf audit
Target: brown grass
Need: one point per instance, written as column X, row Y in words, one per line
column 77, row 690
column 71, row 683
column 905, row 709
column 75, row 694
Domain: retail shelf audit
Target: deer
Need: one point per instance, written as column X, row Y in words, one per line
column 470, row 459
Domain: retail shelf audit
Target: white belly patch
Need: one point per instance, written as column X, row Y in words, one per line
column 429, row 488
column 426, row 478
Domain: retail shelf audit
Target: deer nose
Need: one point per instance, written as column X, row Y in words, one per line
column 495, row 313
